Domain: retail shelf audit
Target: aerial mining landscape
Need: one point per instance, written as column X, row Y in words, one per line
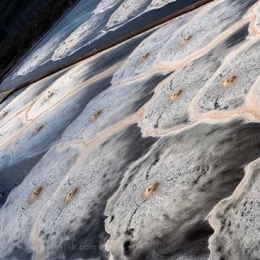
column 149, row 150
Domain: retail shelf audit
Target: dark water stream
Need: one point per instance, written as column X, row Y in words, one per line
column 137, row 23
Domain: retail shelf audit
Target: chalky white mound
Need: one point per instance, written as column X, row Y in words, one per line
column 105, row 4
column 159, row 3
column 83, row 35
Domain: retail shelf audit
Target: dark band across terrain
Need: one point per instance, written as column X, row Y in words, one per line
column 190, row 8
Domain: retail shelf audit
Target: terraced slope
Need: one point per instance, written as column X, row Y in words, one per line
column 149, row 150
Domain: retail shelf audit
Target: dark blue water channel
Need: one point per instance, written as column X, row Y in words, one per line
column 137, row 23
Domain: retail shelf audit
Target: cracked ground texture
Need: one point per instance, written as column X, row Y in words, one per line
column 148, row 150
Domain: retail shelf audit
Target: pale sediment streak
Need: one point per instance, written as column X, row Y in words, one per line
column 75, row 41
column 87, row 28
column 159, row 3
column 105, row 4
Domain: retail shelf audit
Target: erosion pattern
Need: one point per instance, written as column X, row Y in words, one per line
column 87, row 22
column 149, row 150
